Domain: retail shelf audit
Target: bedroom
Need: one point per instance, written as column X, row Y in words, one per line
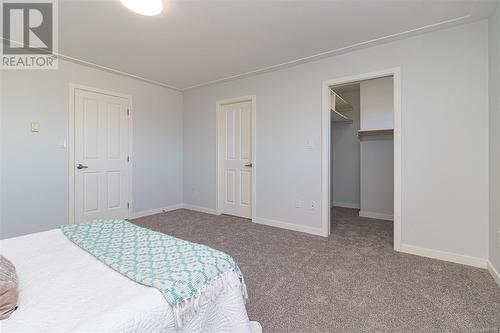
column 438, row 271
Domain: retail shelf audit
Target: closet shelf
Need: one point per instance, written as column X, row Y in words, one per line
column 339, row 108
column 338, row 117
column 383, row 132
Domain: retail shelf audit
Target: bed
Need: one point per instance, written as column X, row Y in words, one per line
column 63, row 288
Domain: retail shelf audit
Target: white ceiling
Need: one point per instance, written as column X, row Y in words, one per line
column 197, row 42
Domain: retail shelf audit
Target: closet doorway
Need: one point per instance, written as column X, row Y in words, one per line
column 361, row 154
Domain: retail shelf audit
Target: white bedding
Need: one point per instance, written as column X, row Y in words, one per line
column 65, row 289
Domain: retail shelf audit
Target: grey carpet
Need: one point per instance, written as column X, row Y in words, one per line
column 350, row 282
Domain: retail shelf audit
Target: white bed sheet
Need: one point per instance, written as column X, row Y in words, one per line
column 65, row 289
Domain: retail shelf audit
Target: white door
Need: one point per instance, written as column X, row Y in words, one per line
column 236, row 162
column 101, row 156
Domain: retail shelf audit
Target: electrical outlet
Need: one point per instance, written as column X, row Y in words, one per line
column 309, row 145
column 298, row 203
column 313, row 205
column 35, row 127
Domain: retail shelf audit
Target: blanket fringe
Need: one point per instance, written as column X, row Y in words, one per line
column 209, row 292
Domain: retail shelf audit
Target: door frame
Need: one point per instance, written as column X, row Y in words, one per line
column 325, row 147
column 71, row 145
column 219, row 122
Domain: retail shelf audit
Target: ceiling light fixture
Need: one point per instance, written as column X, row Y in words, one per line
column 144, row 7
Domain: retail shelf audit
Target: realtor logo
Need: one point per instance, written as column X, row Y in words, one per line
column 29, row 34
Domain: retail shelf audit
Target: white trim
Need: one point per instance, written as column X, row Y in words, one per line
column 325, row 159
column 150, row 212
column 71, row 156
column 1, row 157
column 374, row 215
column 346, row 205
column 200, row 209
column 71, row 146
column 398, row 167
column 288, row 226
column 218, row 124
column 494, row 273
column 446, row 256
column 325, row 147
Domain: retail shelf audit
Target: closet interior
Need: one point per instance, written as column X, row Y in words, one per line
column 362, row 150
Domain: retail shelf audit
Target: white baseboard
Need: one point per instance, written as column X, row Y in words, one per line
column 200, row 209
column 346, row 205
column 136, row 215
column 494, row 273
column 378, row 216
column 289, row 226
column 446, row 256
column 260, row 220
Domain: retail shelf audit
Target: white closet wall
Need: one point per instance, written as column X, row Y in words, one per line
column 345, row 155
column 377, row 153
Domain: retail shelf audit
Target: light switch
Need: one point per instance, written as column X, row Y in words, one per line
column 309, row 145
column 35, row 127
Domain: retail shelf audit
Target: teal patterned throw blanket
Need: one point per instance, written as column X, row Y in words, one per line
column 182, row 271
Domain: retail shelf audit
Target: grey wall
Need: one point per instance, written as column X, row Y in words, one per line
column 34, row 167
column 444, row 85
column 377, row 153
column 345, row 171
column 377, row 178
column 494, row 57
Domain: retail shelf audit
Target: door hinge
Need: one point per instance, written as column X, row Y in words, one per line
column 128, row 158
column 128, row 112
column 128, row 204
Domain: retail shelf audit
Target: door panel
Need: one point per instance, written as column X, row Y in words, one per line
column 235, row 169
column 246, row 185
column 114, row 133
column 90, row 128
column 101, row 147
column 114, row 189
column 91, row 192
column 246, row 134
column 230, row 134
column 230, row 187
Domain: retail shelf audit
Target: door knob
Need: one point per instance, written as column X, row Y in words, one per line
column 81, row 166
column 249, row 165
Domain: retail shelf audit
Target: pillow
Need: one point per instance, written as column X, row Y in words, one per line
column 8, row 288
